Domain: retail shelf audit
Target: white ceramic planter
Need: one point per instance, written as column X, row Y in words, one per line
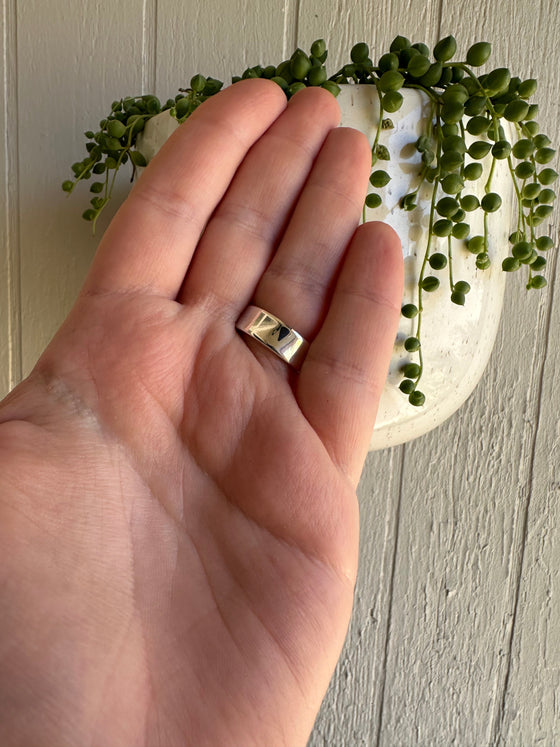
column 456, row 340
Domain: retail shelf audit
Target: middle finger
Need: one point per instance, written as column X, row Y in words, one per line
column 247, row 225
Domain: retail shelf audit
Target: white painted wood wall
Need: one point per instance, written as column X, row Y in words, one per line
column 455, row 637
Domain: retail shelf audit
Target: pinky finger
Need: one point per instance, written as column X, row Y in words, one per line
column 345, row 370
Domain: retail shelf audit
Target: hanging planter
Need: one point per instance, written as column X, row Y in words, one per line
column 459, row 171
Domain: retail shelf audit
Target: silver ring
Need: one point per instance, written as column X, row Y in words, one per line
column 271, row 332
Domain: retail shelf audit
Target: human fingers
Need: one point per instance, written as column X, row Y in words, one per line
column 345, row 369
column 246, row 227
column 150, row 242
column 297, row 285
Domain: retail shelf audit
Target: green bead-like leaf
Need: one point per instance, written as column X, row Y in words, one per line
column 483, row 261
column 197, row 83
column 317, row 76
column 501, row 149
column 399, row 43
column 455, row 93
column 497, row 81
column 359, row 52
column 452, row 184
column 442, row 227
column 524, row 170
column 458, row 298
column 460, row 230
column 546, row 196
column 115, row 128
column 478, row 125
column 392, row 101
column 451, row 161
column 452, row 111
column 418, row 66
column 409, row 311
column 411, row 370
column 510, row 264
column 294, row 87
column 433, row 76
column 491, row 202
column 388, row 61
column 281, row 82
column 476, row 244
column 445, row 49
column 538, row 281
column 373, row 200
column 541, row 141
column 391, row 80
column 416, row 398
column 469, row 202
column 111, row 143
column 478, row 54
column 473, row 171
column 527, row 88
column 438, row 261
column 544, row 155
column 138, row 158
column 332, row 87
column 407, row 386
column 430, row 283
column 479, row 149
column 475, row 105
column 516, row 111
column 412, row 344
column 454, row 144
column 544, row 243
column 547, row 176
column 447, row 206
column 462, row 286
column 538, row 264
column 300, row 65
column 379, row 178
column 319, row 47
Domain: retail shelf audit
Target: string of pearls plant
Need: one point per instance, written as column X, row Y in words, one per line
column 462, row 103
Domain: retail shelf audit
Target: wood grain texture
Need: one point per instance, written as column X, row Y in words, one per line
column 10, row 287
column 472, row 639
column 73, row 60
column 455, row 635
column 217, row 38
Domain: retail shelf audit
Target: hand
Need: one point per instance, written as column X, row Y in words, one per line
column 178, row 519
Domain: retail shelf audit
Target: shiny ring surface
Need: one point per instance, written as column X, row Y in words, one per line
column 271, row 332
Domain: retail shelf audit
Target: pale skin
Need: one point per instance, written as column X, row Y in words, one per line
column 178, row 513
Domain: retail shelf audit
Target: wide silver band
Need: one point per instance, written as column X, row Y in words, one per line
column 284, row 341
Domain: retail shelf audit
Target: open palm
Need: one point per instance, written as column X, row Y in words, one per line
column 178, row 520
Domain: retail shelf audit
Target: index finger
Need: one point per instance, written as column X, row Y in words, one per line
column 150, row 242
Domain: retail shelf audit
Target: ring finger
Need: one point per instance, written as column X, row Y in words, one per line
column 298, row 283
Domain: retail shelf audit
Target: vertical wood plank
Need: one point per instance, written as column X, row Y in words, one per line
column 529, row 709
column 217, row 38
column 149, row 45
column 464, row 533
column 352, row 710
column 73, row 60
column 344, row 23
column 10, row 297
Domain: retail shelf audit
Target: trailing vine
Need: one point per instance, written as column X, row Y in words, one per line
column 464, row 106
